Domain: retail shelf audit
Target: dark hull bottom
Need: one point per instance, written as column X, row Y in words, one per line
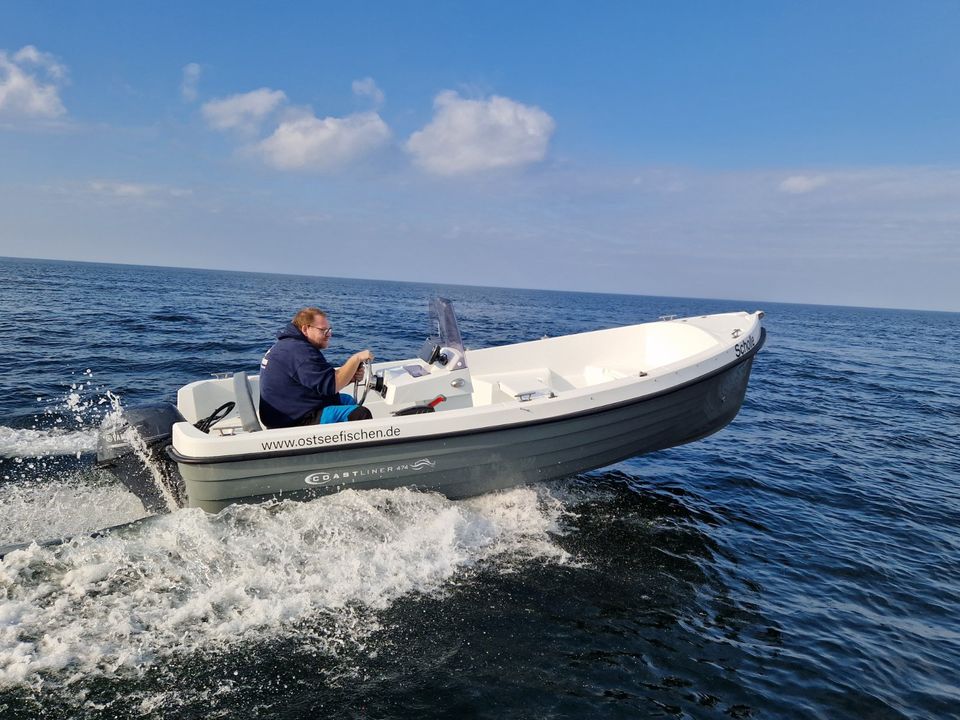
column 467, row 465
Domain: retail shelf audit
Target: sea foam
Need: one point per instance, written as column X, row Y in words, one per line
column 62, row 505
column 30, row 443
column 189, row 581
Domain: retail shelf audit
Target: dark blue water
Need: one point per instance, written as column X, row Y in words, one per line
column 804, row 562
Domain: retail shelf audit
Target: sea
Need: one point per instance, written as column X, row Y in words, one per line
column 804, row 562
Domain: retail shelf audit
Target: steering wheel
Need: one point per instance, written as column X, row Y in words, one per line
column 368, row 377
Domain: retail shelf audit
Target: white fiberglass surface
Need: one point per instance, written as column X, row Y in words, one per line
column 577, row 361
column 667, row 343
column 547, row 369
column 198, row 399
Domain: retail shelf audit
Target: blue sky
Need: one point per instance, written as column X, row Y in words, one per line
column 782, row 151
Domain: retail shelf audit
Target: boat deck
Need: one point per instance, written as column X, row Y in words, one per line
column 532, row 372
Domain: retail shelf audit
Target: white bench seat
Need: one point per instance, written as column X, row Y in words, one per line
column 527, row 384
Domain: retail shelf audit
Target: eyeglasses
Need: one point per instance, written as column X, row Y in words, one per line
column 323, row 331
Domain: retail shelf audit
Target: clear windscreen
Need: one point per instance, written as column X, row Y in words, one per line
column 444, row 320
column 444, row 331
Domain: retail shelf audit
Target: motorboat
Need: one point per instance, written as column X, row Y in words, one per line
column 456, row 421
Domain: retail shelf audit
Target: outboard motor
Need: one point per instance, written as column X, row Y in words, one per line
column 133, row 448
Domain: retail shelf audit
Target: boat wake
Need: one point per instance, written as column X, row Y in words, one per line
column 133, row 601
column 31, row 443
column 61, row 505
column 190, row 582
column 49, row 488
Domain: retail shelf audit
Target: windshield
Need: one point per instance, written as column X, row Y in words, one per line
column 443, row 331
column 444, row 323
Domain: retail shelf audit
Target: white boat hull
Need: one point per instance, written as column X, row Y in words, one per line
column 525, row 413
column 466, row 464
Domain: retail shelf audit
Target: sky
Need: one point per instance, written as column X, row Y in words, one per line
column 757, row 150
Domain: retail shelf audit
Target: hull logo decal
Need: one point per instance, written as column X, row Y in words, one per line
column 325, row 477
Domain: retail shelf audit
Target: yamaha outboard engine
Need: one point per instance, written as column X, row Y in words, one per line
column 133, row 447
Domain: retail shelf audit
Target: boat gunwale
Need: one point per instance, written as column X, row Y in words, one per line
column 268, row 454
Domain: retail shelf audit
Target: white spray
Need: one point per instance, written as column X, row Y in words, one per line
column 130, row 435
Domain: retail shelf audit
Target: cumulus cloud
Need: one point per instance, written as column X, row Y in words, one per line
column 244, row 112
column 299, row 139
column 30, row 82
column 191, row 78
column 467, row 136
column 311, row 143
column 29, row 55
column 800, row 184
column 368, row 88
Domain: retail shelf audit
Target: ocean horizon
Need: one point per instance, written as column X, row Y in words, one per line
column 487, row 287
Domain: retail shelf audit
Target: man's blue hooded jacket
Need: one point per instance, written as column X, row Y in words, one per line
column 295, row 379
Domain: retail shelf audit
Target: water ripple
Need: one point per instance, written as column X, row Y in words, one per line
column 804, row 562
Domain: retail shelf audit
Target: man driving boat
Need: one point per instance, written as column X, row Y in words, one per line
column 297, row 384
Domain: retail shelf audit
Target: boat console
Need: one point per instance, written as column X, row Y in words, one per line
column 412, row 384
column 439, row 370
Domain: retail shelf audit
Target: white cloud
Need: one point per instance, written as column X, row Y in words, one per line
column 244, row 112
column 472, row 135
column 30, row 83
column 188, row 86
column 135, row 191
column 300, row 140
column 368, row 88
column 800, row 184
column 309, row 143
column 29, row 55
column 118, row 189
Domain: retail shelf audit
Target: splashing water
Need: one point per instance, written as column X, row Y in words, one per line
column 75, row 503
column 130, row 435
column 48, row 490
column 26, row 442
column 188, row 582
column 83, row 406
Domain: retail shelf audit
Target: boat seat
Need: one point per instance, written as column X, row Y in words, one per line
column 527, row 385
column 245, row 407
